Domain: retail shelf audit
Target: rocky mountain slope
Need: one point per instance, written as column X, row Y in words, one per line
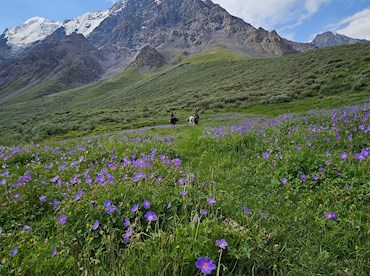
column 328, row 39
column 175, row 25
column 69, row 62
column 148, row 59
column 120, row 33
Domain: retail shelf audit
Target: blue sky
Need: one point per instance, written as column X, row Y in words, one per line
column 298, row 20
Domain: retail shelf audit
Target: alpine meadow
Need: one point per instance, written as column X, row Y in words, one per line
column 95, row 180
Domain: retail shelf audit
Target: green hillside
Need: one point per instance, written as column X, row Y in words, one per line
column 212, row 81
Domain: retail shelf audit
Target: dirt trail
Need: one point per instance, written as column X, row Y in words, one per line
column 125, row 131
column 213, row 118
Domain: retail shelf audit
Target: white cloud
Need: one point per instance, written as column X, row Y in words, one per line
column 313, row 6
column 355, row 26
column 273, row 14
column 265, row 13
column 310, row 8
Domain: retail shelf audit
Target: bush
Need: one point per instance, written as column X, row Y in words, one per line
column 283, row 98
column 359, row 84
column 335, row 88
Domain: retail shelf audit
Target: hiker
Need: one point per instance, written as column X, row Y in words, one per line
column 173, row 119
column 196, row 117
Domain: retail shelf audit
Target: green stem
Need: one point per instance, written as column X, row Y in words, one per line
column 219, row 264
column 196, row 230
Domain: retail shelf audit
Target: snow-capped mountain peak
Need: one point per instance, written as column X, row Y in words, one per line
column 85, row 23
column 118, row 6
column 34, row 29
column 38, row 28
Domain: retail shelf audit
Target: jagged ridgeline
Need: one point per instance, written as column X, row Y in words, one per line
column 42, row 50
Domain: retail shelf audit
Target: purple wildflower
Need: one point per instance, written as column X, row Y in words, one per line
column 211, row 200
column 176, row 162
column 54, row 253
column 54, row 179
column 247, row 210
column 128, row 235
column 134, row 208
column 110, row 177
column 18, row 196
column 284, row 181
column 88, row 180
column 169, row 205
column 303, row 177
column 183, row 193
column 182, row 181
column 75, row 179
column 126, row 222
column 150, row 216
column 62, row 219
column 203, row 212
column 27, row 228
column 359, row 156
column 191, row 175
column 331, row 215
column 262, row 215
column 96, row 225
column 221, row 243
column 146, row 204
column 14, row 252
column 205, row 265
column 55, row 202
column 78, row 196
column 42, row 198
column 109, row 208
column 265, row 155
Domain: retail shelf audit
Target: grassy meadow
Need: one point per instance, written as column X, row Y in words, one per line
column 274, row 181
column 283, row 195
column 213, row 82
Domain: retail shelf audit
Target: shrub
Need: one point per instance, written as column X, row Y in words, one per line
column 282, row 98
column 335, row 88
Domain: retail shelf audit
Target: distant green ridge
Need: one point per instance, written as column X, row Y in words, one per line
column 216, row 80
